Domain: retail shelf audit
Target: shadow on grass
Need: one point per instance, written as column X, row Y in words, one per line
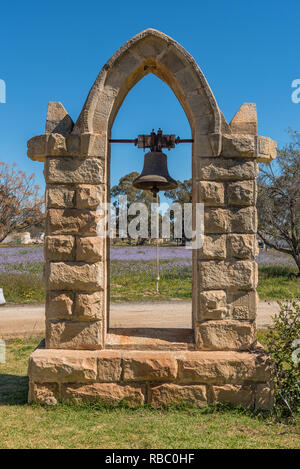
column 13, row 389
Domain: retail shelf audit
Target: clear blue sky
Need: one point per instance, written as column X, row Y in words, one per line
column 53, row 51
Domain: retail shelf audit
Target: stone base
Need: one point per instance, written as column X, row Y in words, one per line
column 151, row 377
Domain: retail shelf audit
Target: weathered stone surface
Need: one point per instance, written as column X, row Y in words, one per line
column 225, row 335
column 214, row 247
column 89, row 249
column 58, row 120
column 227, row 274
column 265, row 396
column 166, row 394
column 243, row 220
column 43, row 393
column 37, row 147
column 75, row 276
column 241, row 193
column 89, row 306
column 46, row 365
column 216, row 220
column 211, row 193
column 241, row 246
column 73, row 144
column 59, row 305
column 245, row 120
column 222, row 169
column 212, row 304
column 141, row 366
column 113, row 393
column 59, row 248
column 72, row 170
column 266, row 149
column 89, row 196
column 72, row 221
column 93, row 144
column 60, row 197
column 56, row 145
column 238, row 145
column 109, row 365
column 74, row 335
column 241, row 395
column 222, row 367
column 242, row 304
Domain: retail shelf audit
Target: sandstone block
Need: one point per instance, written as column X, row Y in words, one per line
column 112, row 393
column 89, row 306
column 72, row 170
column 75, row 276
column 59, row 305
column 37, row 147
column 149, row 366
column 109, row 365
column 166, row 394
column 266, row 149
column 212, row 304
column 211, row 193
column 214, row 247
column 236, row 395
column 222, row 367
column 242, row 304
column 245, row 120
column 58, row 120
column 225, row 335
column 214, row 275
column 56, row 144
column 238, row 145
column 46, row 365
column 222, row 169
column 89, row 249
column 94, row 145
column 59, row 248
column 241, row 246
column 43, row 393
column 241, row 193
column 216, row 220
column 89, row 196
column 243, row 220
column 73, row 144
column 74, row 335
column 60, row 197
column 72, row 221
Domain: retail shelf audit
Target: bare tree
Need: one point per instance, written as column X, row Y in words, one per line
column 20, row 201
column 279, row 201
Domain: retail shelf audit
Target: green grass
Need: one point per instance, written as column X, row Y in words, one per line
column 274, row 283
column 92, row 426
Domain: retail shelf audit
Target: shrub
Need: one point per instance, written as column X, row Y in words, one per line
column 282, row 341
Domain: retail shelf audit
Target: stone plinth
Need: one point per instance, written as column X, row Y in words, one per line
column 151, row 377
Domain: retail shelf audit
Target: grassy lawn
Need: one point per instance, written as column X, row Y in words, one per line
column 133, row 275
column 61, row 426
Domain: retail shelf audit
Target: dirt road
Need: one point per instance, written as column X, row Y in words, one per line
column 28, row 320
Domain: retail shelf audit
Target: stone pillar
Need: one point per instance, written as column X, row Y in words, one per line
column 75, row 255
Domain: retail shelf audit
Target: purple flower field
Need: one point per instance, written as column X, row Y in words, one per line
column 125, row 259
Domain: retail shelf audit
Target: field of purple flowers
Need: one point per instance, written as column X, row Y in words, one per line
column 133, row 274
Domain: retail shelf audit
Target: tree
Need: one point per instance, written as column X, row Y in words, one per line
column 279, row 201
column 20, row 201
column 182, row 194
column 133, row 194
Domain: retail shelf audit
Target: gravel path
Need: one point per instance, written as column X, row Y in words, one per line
column 28, row 320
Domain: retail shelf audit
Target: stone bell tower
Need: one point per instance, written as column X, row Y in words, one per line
column 82, row 359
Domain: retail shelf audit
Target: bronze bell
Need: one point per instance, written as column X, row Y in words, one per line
column 155, row 175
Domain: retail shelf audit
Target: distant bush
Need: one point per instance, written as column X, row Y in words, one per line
column 283, row 344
